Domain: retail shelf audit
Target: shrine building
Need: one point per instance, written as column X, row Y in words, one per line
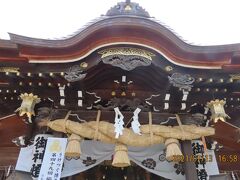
column 123, row 98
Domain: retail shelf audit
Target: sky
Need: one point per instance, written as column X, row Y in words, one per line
column 198, row 22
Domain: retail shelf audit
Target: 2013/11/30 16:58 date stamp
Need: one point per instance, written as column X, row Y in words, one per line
column 231, row 158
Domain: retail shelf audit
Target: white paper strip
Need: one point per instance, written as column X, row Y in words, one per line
column 62, row 102
column 183, row 106
column 124, row 78
column 167, row 97
column 185, row 95
column 166, row 106
column 53, row 159
column 135, row 125
column 79, row 93
column 206, row 109
column 118, row 122
column 148, row 103
column 80, row 103
column 61, row 90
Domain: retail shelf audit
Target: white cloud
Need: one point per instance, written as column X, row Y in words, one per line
column 201, row 22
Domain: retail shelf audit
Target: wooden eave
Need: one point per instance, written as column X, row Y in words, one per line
column 9, row 51
column 126, row 30
column 6, row 44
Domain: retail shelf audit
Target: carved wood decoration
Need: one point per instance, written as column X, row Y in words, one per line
column 128, row 8
column 74, row 73
column 183, row 82
column 126, row 58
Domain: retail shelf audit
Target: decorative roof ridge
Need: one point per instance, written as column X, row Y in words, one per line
column 127, row 8
column 173, row 31
column 93, row 21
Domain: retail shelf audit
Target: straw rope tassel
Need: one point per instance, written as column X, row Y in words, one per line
column 73, row 149
column 172, row 145
column 172, row 149
column 120, row 158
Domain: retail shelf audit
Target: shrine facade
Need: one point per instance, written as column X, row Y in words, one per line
column 133, row 100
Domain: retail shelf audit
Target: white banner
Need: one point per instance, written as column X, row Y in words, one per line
column 152, row 159
column 205, row 162
column 53, row 159
column 24, row 162
column 94, row 152
column 40, row 142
